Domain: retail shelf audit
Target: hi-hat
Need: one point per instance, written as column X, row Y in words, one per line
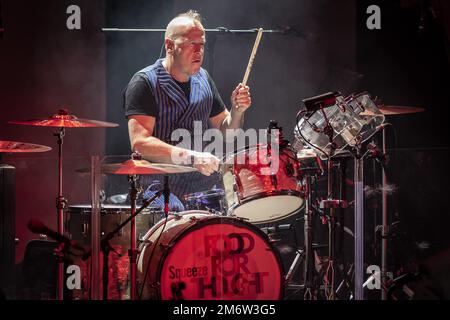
column 132, row 167
column 21, row 147
column 394, row 110
column 66, row 120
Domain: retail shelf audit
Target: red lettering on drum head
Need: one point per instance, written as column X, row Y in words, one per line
column 220, row 261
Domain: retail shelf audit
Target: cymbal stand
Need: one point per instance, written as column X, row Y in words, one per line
column 382, row 158
column 332, row 205
column 359, row 223
column 308, row 275
column 61, row 204
column 305, row 254
column 385, row 233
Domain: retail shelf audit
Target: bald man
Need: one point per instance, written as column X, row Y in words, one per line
column 173, row 93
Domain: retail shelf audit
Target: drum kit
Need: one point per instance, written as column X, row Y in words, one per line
column 217, row 248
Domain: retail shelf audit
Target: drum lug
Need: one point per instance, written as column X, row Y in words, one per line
column 165, row 246
column 177, row 215
column 155, row 285
column 85, row 229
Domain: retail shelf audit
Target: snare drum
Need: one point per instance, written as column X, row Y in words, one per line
column 210, row 200
column 197, row 255
column 266, row 187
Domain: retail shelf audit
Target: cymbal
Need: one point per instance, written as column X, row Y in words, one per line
column 394, row 110
column 21, row 147
column 131, row 167
column 64, row 119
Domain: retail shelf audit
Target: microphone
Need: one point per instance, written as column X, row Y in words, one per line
column 38, row 227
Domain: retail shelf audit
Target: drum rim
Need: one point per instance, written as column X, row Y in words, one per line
column 87, row 208
column 228, row 220
column 231, row 155
column 266, row 194
column 206, row 193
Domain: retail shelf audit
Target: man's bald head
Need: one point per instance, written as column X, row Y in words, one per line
column 182, row 23
column 184, row 42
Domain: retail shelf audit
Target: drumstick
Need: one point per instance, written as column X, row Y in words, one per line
column 252, row 57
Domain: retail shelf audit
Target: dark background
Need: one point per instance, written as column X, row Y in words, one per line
column 44, row 66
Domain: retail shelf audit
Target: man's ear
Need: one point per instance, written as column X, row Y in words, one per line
column 169, row 44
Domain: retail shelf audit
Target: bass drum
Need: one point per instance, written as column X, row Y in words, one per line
column 200, row 256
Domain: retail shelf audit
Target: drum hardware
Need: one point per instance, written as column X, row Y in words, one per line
column 347, row 279
column 323, row 101
column 133, row 168
column 193, row 219
column 383, row 159
column 305, row 255
column 330, row 127
column 107, row 248
column 211, row 200
column 320, row 101
column 176, row 215
column 272, row 232
column 300, row 255
column 62, row 120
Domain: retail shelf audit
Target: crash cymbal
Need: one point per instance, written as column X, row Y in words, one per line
column 394, row 110
column 131, row 167
column 21, row 147
column 64, row 119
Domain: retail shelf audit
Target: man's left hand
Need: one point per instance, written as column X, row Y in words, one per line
column 240, row 98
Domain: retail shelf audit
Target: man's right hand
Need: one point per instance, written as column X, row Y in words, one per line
column 205, row 162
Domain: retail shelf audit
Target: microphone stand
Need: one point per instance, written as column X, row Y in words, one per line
column 219, row 31
column 166, row 196
column 107, row 248
column 132, row 253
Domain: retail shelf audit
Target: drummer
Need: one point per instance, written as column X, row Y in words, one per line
column 173, row 93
